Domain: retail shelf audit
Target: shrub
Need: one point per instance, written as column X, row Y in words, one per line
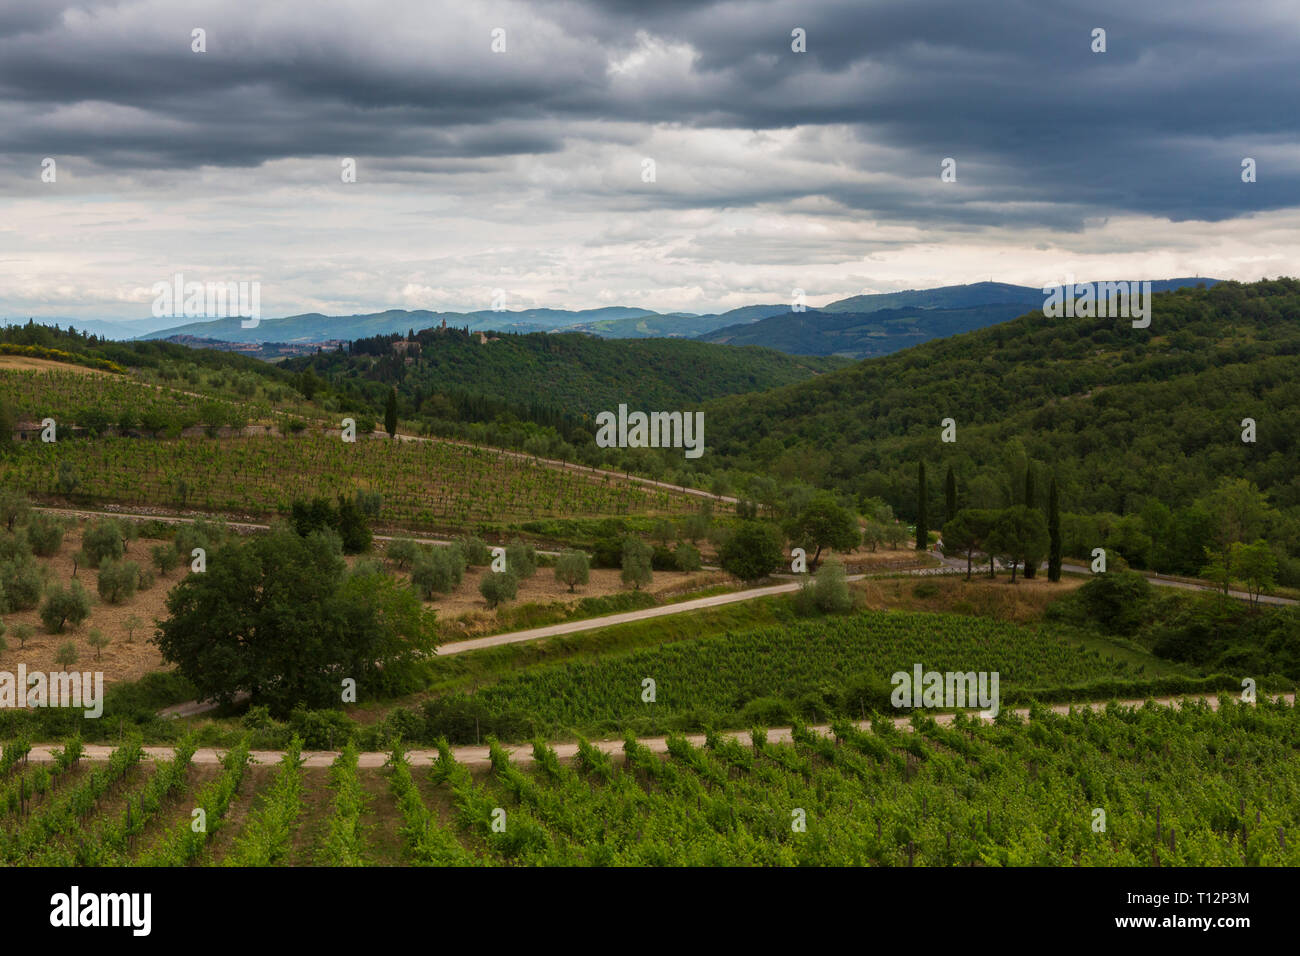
column 437, row 571
column 926, row 589
column 637, row 562
column 830, row 589
column 201, row 534
column 607, row 552
column 118, row 580
column 103, row 540
column 1117, row 600
column 63, row 606
column 766, row 712
column 824, row 593
column 67, row 655
column 164, row 558
column 98, row 640
column 661, row 559
column 476, row 552
column 403, row 552
column 521, row 559
column 687, row 557
column 320, row 729
column 498, row 587
column 14, row 545
column 131, row 623
column 752, row 552
column 572, row 569
column 14, row 505
column 22, row 581
column 45, row 533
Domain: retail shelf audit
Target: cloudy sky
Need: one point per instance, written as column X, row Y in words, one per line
column 525, row 170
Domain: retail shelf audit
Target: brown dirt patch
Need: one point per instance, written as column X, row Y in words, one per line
column 27, row 363
column 129, row 656
column 997, row 598
column 542, row 588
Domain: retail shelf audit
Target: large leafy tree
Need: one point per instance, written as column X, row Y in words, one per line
column 1018, row 536
column 637, row 558
column 572, row 568
column 1256, row 566
column 824, row 523
column 753, row 551
column 281, row 618
column 966, row 533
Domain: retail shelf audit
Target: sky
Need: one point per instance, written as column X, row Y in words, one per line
column 522, row 172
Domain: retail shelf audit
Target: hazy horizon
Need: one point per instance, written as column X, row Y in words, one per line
column 524, row 171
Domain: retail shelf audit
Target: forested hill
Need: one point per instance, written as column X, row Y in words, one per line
column 577, row 374
column 861, row 334
column 1122, row 416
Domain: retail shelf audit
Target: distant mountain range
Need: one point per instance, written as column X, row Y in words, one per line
column 856, row 327
column 869, row 325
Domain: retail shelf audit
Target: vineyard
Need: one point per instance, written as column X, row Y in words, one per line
column 766, row 675
column 98, row 402
column 1152, row 786
column 424, row 484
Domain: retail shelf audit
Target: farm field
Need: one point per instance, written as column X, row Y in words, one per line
column 129, row 654
column 427, row 484
column 1189, row 786
column 88, row 398
column 767, row 675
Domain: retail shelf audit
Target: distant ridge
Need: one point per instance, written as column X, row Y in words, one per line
column 970, row 303
column 864, row 326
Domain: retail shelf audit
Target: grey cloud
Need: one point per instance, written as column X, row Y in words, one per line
column 1010, row 87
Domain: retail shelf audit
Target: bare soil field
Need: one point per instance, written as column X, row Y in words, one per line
column 24, row 363
column 129, row 655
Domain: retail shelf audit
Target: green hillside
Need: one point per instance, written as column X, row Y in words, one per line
column 1139, row 426
column 572, row 376
column 861, row 334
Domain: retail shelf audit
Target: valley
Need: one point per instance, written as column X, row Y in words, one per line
column 603, row 640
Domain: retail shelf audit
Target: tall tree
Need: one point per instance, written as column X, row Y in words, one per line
column 753, row 551
column 280, row 617
column 823, row 523
column 950, row 495
column 1053, row 533
column 966, row 532
column 637, row 558
column 922, row 519
column 390, row 413
column 1019, row 536
column 1031, row 570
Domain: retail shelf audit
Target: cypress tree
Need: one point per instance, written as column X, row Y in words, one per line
column 950, row 495
column 1029, row 503
column 922, row 519
column 390, row 413
column 1053, row 534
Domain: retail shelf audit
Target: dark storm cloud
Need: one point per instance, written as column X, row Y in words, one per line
column 1044, row 131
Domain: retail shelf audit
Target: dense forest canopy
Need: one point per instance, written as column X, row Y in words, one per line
column 576, row 373
column 1132, row 422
